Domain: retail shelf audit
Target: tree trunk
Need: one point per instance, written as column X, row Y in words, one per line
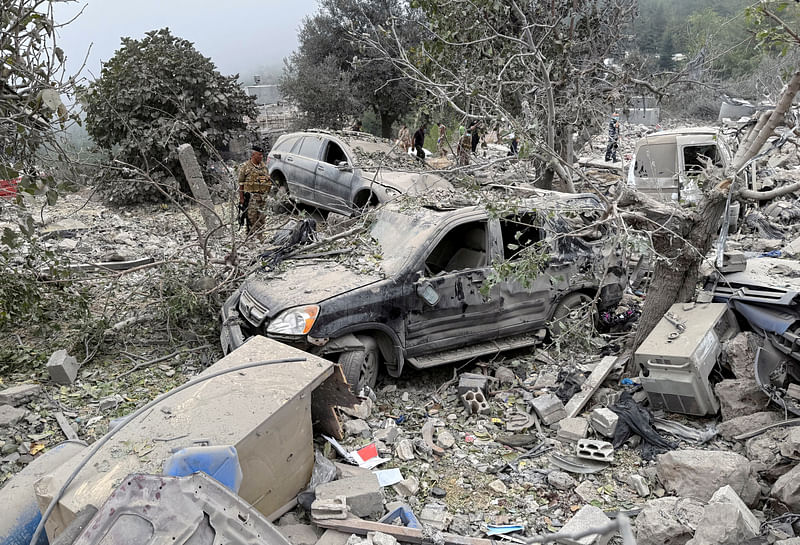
column 682, row 248
column 386, row 125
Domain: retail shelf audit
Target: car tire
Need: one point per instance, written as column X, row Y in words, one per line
column 571, row 312
column 360, row 367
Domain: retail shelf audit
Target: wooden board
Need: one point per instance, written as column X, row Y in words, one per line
column 334, row 392
column 359, row 526
column 598, row 376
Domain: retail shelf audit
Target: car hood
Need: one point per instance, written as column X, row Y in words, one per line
column 412, row 183
column 303, row 283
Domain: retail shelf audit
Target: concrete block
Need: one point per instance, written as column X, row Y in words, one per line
column 333, row 537
column 726, row 494
column 20, row 394
column 472, row 381
column 739, row 397
column 594, row 449
column 299, row 534
column 668, row 520
column 742, row 424
column 388, row 434
column 363, row 494
column 357, row 428
column 475, row 402
column 572, row 429
column 330, row 509
column 549, row 408
column 435, row 516
column 346, row 470
column 588, row 517
column 404, row 449
column 9, row 416
column 639, row 484
column 787, row 489
column 407, row 487
column 604, row 421
column 62, row 367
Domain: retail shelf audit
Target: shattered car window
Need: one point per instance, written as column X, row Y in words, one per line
column 398, row 235
column 696, row 157
column 519, row 232
column 311, row 147
column 656, row 161
column 464, row 247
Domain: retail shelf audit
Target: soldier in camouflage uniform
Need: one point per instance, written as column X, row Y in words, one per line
column 254, row 184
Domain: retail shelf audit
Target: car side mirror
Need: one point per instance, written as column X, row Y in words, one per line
column 344, row 165
column 426, row 292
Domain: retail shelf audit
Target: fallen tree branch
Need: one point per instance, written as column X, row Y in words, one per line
column 162, row 358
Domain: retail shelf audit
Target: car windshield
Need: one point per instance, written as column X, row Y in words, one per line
column 400, row 235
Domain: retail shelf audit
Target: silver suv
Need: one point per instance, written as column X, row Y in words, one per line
column 340, row 172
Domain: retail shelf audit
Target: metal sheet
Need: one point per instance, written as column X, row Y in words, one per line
column 766, row 318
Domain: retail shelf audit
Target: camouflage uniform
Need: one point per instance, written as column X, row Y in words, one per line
column 255, row 180
column 463, row 149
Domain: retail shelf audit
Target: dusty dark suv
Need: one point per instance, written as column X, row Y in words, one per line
column 345, row 172
column 422, row 289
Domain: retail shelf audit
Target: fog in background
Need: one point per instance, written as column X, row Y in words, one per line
column 244, row 37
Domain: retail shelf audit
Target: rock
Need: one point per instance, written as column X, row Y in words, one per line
column 699, row 473
column 62, row 367
column 407, row 487
column 545, row 380
column 604, row 421
column 363, row 494
column 765, row 448
column 460, row 525
column 722, row 524
column 498, row 486
column 588, row 517
column 740, row 352
column 790, row 541
column 787, row 489
column 668, row 521
column 437, row 492
column 435, row 516
column 110, row 403
column 10, row 416
column 561, row 480
column 379, row 538
column 357, row 428
column 388, row 434
column 743, row 424
column 299, row 534
column 445, row 439
column 363, row 410
column 20, row 394
column 344, row 471
column 505, row 376
column 726, row 494
column 639, row 484
column 572, row 429
column 739, row 397
column 549, row 408
column 404, row 449
column 587, row 491
column 790, row 447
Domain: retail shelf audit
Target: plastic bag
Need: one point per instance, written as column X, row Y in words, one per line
column 324, row 472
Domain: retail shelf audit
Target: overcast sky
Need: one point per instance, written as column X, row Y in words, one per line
column 240, row 36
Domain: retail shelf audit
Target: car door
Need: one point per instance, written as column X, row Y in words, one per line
column 449, row 310
column 334, row 179
column 525, row 304
column 304, row 160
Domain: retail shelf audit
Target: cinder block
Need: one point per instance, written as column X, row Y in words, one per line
column 604, row 421
column 549, row 408
column 594, row 449
column 586, row 518
column 363, row 494
column 472, row 381
column 572, row 429
column 62, row 367
column 20, row 394
column 475, row 402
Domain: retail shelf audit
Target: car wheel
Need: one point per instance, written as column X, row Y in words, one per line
column 360, row 367
column 572, row 315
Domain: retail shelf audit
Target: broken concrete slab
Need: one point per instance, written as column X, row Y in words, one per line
column 407, row 487
column 668, row 520
column 588, row 388
column 740, row 397
column 586, row 518
column 561, row 480
column 787, row 489
column 10, row 415
column 749, row 422
column 404, row 449
column 639, row 484
column 299, row 534
column 62, row 367
column 356, row 428
column 740, row 353
column 435, row 515
column 572, row 429
column 347, row 470
column 726, row 494
column 722, row 524
column 604, row 421
column 549, row 409
column 790, row 447
column 363, row 494
column 333, row 537
column 19, row 394
column 699, row 473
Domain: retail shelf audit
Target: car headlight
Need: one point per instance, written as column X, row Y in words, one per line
column 295, row 321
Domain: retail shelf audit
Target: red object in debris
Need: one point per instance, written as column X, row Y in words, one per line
column 469, row 438
column 370, row 451
column 8, row 188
